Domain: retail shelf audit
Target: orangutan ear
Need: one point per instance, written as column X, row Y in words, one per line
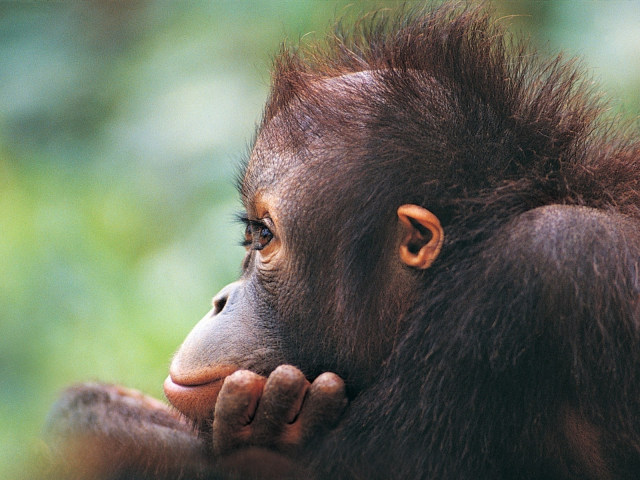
column 423, row 236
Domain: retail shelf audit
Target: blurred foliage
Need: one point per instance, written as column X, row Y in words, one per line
column 121, row 128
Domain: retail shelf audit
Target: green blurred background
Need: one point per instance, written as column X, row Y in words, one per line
column 121, row 126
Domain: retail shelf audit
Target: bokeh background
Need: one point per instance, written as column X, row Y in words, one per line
column 121, row 127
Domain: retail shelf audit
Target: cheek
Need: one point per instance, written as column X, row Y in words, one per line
column 404, row 288
column 267, row 272
column 388, row 319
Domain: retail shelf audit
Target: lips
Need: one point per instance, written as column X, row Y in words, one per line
column 195, row 395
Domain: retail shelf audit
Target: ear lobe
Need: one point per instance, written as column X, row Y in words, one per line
column 423, row 236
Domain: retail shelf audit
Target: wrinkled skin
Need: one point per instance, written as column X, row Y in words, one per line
column 228, row 377
column 440, row 282
column 222, row 365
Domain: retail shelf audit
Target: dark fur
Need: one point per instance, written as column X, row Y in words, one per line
column 517, row 353
column 505, row 337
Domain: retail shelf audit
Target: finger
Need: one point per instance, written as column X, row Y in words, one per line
column 323, row 405
column 235, row 409
column 279, row 405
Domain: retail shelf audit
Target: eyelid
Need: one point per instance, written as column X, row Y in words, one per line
column 256, row 225
column 246, row 219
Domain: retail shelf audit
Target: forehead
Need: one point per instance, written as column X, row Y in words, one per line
column 304, row 136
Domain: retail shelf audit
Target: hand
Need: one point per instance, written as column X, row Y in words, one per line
column 280, row 413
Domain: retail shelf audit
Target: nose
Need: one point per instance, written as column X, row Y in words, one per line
column 219, row 301
column 223, row 297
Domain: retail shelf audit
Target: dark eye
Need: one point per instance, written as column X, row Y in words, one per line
column 256, row 235
column 264, row 237
column 248, row 236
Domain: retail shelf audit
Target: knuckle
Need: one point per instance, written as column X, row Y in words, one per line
column 242, row 381
column 287, row 377
column 329, row 383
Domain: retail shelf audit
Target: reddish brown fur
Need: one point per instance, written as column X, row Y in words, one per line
column 516, row 353
column 547, row 103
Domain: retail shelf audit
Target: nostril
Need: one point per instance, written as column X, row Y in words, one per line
column 226, row 298
column 219, row 303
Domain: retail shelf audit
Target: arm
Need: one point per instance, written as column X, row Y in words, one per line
column 100, row 431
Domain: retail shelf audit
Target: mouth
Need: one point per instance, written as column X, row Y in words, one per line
column 195, row 396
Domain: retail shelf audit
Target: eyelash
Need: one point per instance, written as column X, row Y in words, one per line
column 252, row 226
